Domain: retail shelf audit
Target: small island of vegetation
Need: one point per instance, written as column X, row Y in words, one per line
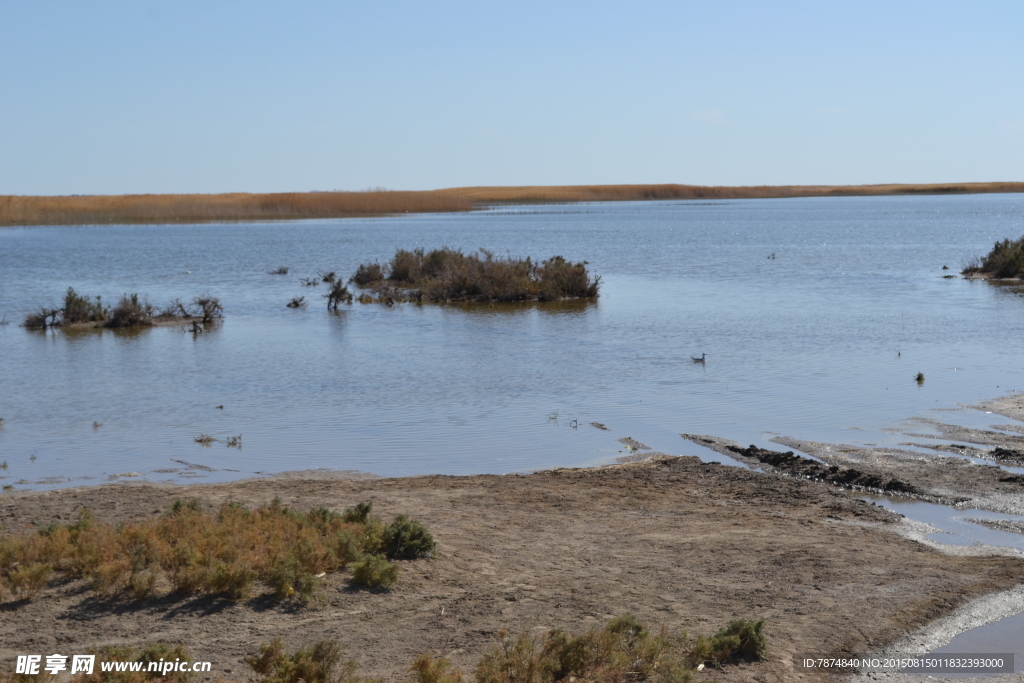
column 130, row 311
column 1006, row 260
column 448, row 275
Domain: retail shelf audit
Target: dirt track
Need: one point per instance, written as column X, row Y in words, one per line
column 678, row 542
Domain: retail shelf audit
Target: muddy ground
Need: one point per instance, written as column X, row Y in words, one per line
column 678, row 542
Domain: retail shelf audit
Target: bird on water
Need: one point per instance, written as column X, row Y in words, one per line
column 703, row 358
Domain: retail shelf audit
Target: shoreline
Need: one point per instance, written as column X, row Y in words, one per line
column 23, row 211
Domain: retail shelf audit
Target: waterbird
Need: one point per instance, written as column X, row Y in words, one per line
column 703, row 358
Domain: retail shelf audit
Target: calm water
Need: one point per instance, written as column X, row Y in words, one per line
column 821, row 342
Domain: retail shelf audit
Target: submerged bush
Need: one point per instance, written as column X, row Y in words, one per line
column 80, row 309
column 338, row 294
column 130, row 312
column 1005, row 260
column 449, row 275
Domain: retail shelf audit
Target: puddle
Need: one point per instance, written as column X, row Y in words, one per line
column 1004, row 636
column 953, row 523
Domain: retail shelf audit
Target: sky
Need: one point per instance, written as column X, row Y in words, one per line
column 209, row 96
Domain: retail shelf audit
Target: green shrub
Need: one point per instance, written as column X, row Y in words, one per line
column 373, row 571
column 359, row 514
column 289, row 579
column 742, row 639
column 1005, row 260
column 407, row 539
column 80, row 309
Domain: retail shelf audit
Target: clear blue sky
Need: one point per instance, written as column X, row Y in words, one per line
column 213, row 96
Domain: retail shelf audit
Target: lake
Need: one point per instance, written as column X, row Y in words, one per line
column 816, row 315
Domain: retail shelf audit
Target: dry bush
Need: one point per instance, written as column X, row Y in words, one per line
column 338, row 294
column 319, row 663
column 227, row 553
column 209, row 308
column 42, row 318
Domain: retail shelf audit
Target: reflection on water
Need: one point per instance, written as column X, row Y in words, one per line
column 821, row 342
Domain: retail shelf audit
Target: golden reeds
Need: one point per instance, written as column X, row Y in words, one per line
column 205, row 208
column 604, row 193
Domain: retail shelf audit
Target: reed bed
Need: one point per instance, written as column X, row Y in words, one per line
column 205, row 208
column 200, row 208
column 190, row 551
column 604, row 193
column 448, row 275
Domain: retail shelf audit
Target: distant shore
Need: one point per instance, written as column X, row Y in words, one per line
column 207, row 208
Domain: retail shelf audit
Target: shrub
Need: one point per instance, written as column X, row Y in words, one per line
column 1005, row 260
column 407, row 539
column 41, row 318
column 224, row 554
column 742, row 639
column 359, row 514
column 232, row 580
column 28, row 580
column 130, row 312
column 373, row 571
column 430, row 670
column 288, row 578
column 209, row 308
column 338, row 294
column 319, row 663
column 80, row 309
column 367, row 274
column 449, row 275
